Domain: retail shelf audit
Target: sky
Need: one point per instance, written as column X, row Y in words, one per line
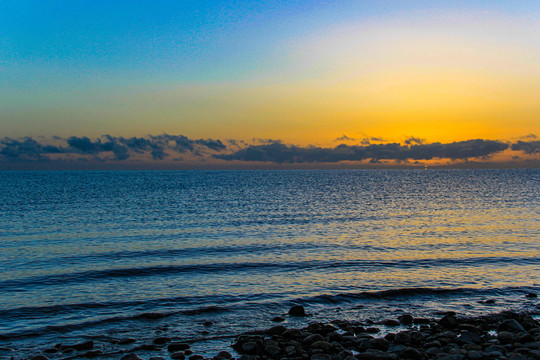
column 268, row 80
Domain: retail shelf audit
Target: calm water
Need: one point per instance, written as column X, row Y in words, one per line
column 88, row 253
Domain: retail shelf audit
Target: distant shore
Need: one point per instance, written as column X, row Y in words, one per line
column 504, row 335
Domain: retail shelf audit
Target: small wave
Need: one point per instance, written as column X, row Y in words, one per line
column 105, row 274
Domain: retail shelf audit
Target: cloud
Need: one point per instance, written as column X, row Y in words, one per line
column 27, row 150
column 528, row 147
column 278, row 152
column 413, row 140
column 344, row 138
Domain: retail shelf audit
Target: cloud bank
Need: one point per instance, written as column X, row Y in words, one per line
column 164, row 148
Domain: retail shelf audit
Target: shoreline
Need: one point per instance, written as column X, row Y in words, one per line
column 502, row 335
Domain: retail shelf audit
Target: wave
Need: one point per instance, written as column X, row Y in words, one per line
column 156, row 309
column 314, row 265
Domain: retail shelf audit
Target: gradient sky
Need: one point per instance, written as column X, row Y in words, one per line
column 304, row 72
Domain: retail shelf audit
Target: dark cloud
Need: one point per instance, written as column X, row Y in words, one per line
column 414, row 140
column 28, row 149
column 345, row 138
column 528, row 147
column 281, row 153
column 122, row 148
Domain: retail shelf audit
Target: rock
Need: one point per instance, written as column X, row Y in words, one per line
column 410, row 353
column 87, row 345
column 276, row 330
column 402, row 338
column 390, row 323
column 511, row 325
column 249, row 347
column 380, row 343
column 373, row 330
column 449, row 321
column 207, row 323
column 376, row 355
column 39, row 357
column 126, row 341
column 313, row 338
column 50, row 351
column 278, row 319
column 162, row 340
column 475, row 355
column 225, row 354
column 156, row 358
column 325, row 346
column 175, row 346
column 505, row 337
column 271, row 349
column 130, row 357
column 188, row 352
column 469, row 338
column 531, row 295
column 297, row 310
column 178, row 355
column 196, row 357
column 406, row 319
column 321, row 357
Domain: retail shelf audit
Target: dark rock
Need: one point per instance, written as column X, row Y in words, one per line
column 276, row 330
column 292, row 333
column 373, row 330
column 178, row 355
column 297, row 310
column 390, row 323
column 39, row 357
column 474, row 355
column 376, row 355
column 196, row 357
column 207, row 323
column 321, row 357
column 511, row 325
column 156, row 358
column 402, row 338
column 410, row 353
column 50, row 351
column 126, row 341
column 325, row 346
column 469, row 338
column 380, row 343
column 188, row 352
column 162, row 340
column 225, row 354
column 278, row 319
column 449, row 321
column 272, row 350
column 92, row 354
column 130, row 357
column 416, row 337
column 175, row 346
column 313, row 338
column 87, row 345
column 531, row 295
column 406, row 319
column 249, row 347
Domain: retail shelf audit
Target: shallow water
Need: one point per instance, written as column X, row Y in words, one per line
column 86, row 253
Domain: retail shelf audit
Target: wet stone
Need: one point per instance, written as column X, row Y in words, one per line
column 178, row 355
column 276, row 330
column 321, row 357
column 249, row 347
column 130, row 357
column 86, row 345
column 175, row 346
column 39, row 357
column 380, row 343
column 196, row 357
column 474, row 355
column 162, row 340
column 297, row 310
column 278, row 319
column 406, row 319
column 410, row 353
column 225, row 354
